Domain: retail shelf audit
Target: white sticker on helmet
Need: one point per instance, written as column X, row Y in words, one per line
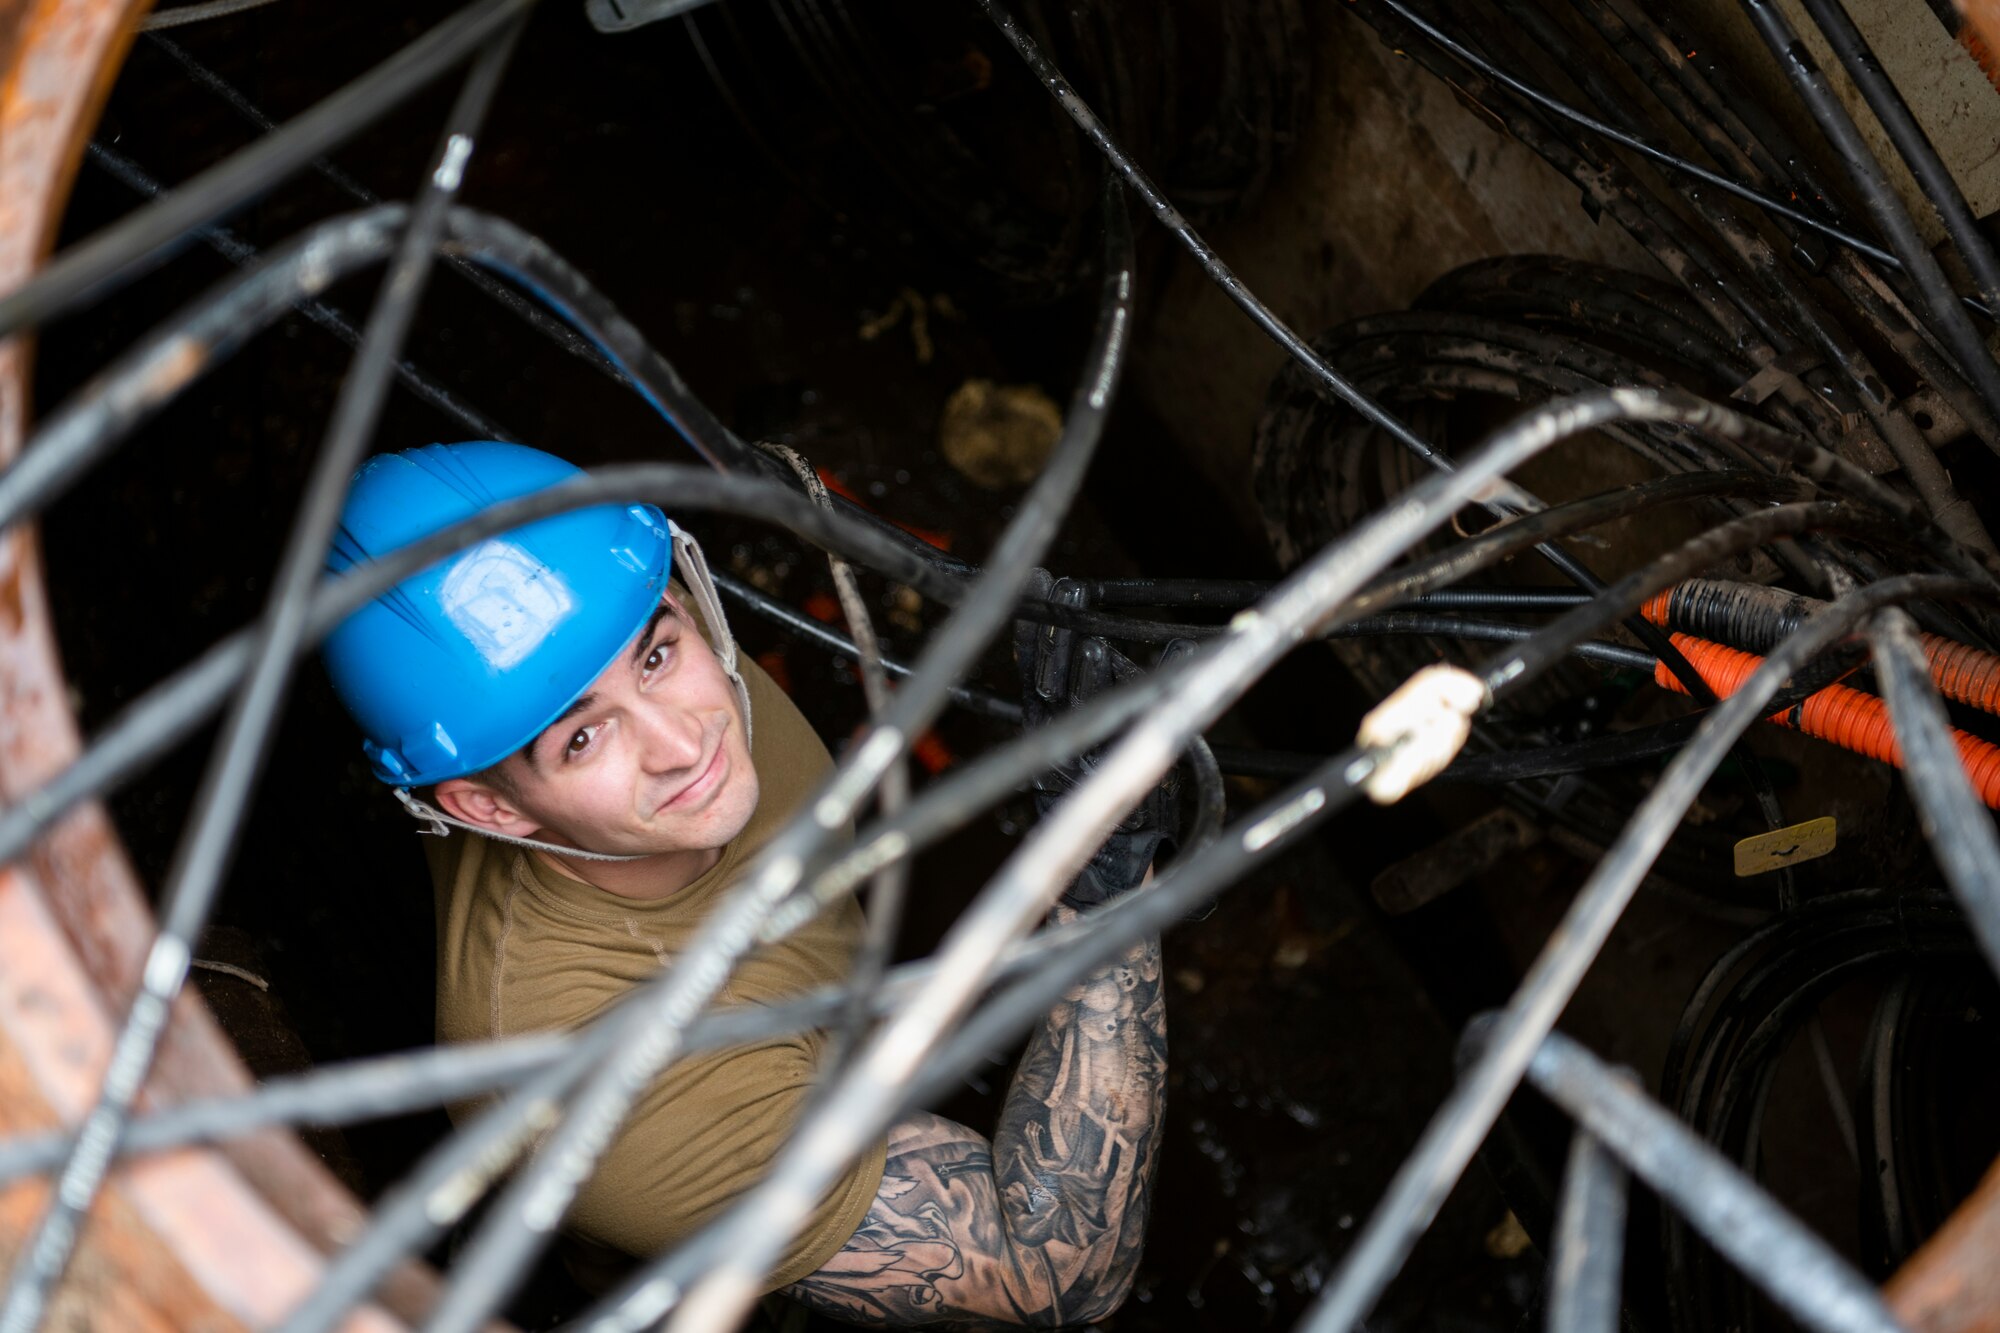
column 504, row 601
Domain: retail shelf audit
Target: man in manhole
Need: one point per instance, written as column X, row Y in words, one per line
column 565, row 706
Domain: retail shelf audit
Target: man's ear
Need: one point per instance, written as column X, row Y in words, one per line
column 484, row 806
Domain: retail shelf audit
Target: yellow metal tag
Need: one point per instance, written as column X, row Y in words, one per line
column 1784, row 847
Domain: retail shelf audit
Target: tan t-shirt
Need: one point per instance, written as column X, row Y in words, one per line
column 523, row 948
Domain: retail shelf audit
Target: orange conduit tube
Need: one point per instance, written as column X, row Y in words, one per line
column 1963, row 674
column 1847, row 717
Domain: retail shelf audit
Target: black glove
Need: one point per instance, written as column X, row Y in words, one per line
column 1061, row 668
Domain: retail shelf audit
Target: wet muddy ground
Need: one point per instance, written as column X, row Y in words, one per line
column 1306, row 1052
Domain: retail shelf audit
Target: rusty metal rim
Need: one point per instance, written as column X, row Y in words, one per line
column 240, row 1228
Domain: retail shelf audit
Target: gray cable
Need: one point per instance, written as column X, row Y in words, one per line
column 181, row 15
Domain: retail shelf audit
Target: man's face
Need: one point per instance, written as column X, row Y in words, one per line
column 650, row 759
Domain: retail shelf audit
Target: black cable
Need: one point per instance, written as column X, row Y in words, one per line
column 553, row 329
column 1800, row 1272
column 1750, row 1002
column 1507, row 672
column 968, row 696
column 1224, row 594
column 1400, row 586
column 1302, row 353
column 1633, row 142
column 1940, row 301
column 1917, row 151
column 241, row 253
column 1955, row 821
column 126, row 248
column 1544, row 760
column 1584, row 1271
column 1499, row 599
column 122, row 396
column 1492, row 631
column 1399, row 622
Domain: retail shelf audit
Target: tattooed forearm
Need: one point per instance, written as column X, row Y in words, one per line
column 1074, row 1151
column 1044, row 1226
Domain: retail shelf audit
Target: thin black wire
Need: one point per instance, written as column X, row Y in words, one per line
column 1661, row 156
column 969, row 697
column 126, row 248
column 207, row 844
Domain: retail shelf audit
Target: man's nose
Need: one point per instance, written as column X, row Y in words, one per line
column 670, row 738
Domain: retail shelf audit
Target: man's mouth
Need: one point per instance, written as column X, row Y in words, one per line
column 704, row 783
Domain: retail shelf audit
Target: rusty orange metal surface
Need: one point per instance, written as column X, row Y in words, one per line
column 1952, row 1285
column 210, row 1239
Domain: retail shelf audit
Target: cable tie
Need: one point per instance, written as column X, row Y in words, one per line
column 1422, row 727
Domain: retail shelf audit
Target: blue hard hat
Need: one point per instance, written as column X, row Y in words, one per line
column 457, row 667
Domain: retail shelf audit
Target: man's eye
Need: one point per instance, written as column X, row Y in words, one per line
column 579, row 742
column 657, row 658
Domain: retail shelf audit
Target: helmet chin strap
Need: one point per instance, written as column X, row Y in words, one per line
column 692, row 568
column 437, row 819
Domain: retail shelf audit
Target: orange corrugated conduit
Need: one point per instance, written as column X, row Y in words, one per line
column 1844, row 716
column 1964, row 674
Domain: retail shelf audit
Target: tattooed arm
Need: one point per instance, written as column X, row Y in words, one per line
column 1043, row 1226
